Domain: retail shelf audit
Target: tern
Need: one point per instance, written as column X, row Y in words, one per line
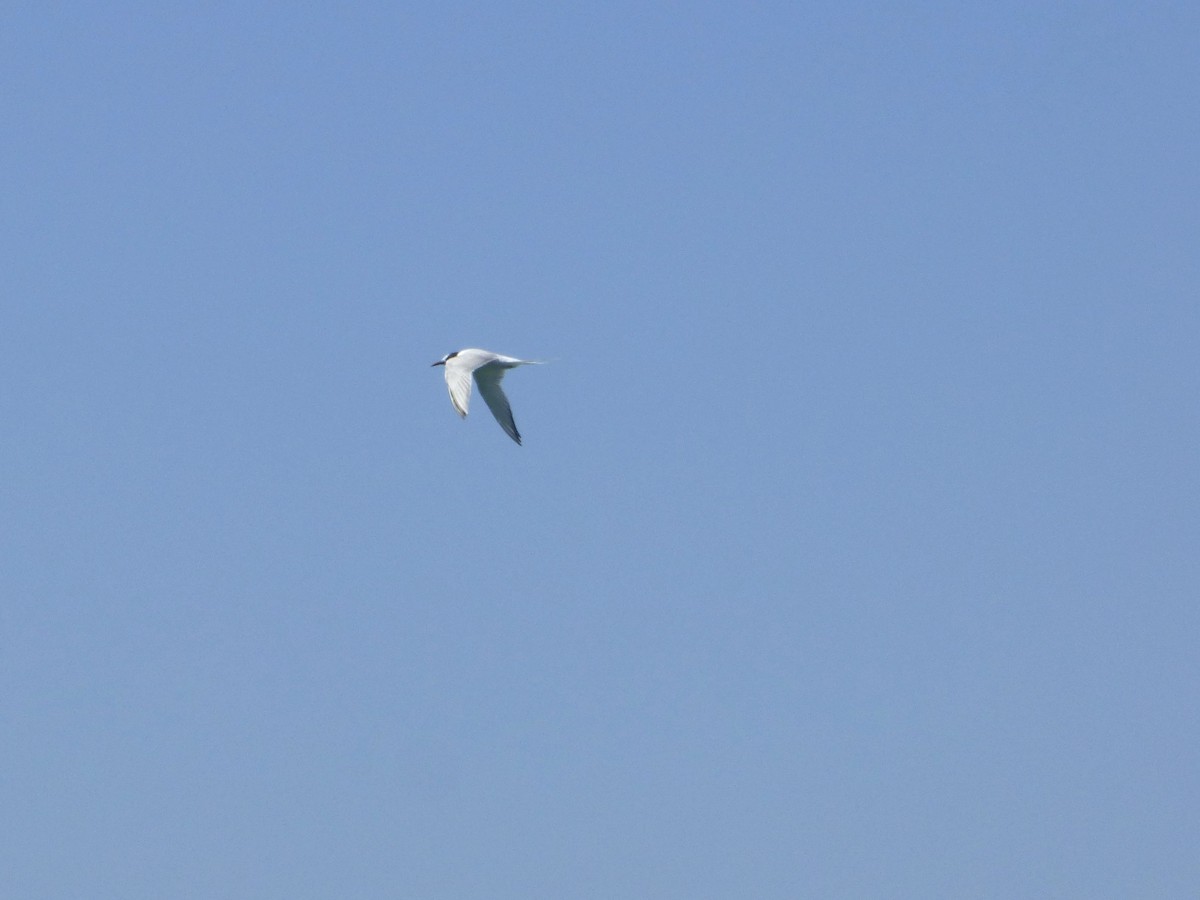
column 487, row 368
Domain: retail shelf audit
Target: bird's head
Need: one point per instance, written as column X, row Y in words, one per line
column 446, row 358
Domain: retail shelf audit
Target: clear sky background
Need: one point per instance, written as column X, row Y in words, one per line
column 854, row 548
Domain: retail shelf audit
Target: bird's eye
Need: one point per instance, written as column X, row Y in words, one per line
column 452, row 355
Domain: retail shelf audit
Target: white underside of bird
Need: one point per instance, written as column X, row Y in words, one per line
column 487, row 369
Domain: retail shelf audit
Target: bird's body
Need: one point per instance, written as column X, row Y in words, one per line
column 487, row 369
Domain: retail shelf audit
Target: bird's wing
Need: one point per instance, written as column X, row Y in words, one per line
column 458, row 380
column 488, row 378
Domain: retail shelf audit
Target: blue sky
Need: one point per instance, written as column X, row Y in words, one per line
column 853, row 548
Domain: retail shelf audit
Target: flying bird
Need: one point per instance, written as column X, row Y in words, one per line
column 487, row 368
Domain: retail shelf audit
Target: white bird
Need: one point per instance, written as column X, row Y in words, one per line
column 487, row 368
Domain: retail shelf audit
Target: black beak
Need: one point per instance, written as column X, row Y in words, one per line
column 440, row 362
